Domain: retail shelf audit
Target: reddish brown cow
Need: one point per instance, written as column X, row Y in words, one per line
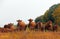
column 6, row 27
column 9, row 27
column 31, row 24
column 21, row 25
column 55, row 27
column 1, row 30
column 39, row 26
column 48, row 25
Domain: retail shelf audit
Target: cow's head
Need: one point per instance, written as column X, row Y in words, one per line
column 30, row 20
column 19, row 20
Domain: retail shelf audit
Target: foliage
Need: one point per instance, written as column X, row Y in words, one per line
column 53, row 14
column 40, row 18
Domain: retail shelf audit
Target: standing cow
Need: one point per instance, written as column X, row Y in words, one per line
column 21, row 25
column 48, row 25
column 31, row 24
column 55, row 27
column 39, row 26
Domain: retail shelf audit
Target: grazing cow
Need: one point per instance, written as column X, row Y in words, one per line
column 21, row 25
column 6, row 27
column 31, row 24
column 55, row 27
column 39, row 26
column 9, row 27
column 48, row 25
column 1, row 30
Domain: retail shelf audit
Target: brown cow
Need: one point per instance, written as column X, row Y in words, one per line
column 6, row 27
column 48, row 25
column 21, row 25
column 55, row 27
column 9, row 27
column 39, row 26
column 31, row 24
column 1, row 29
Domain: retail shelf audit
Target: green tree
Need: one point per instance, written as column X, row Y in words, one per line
column 56, row 15
column 53, row 14
column 40, row 18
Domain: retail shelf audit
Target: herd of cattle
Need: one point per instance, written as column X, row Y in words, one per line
column 31, row 25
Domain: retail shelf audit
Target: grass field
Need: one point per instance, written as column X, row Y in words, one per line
column 30, row 35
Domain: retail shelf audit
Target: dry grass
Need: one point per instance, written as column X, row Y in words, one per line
column 30, row 35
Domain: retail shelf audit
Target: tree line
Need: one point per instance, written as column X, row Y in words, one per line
column 53, row 14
